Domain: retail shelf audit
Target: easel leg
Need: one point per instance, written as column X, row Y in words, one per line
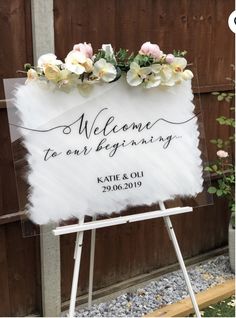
column 173, row 238
column 77, row 256
column 91, row 266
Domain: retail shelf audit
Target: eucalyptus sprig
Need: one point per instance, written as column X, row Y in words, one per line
column 178, row 53
column 124, row 59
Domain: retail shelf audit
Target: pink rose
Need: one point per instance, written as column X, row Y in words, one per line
column 169, row 58
column 85, row 48
column 152, row 50
column 222, row 154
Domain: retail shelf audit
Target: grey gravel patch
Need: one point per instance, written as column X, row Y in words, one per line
column 167, row 289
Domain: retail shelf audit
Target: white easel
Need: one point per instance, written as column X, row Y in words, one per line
column 93, row 225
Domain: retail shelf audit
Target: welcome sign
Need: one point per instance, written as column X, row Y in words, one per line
column 106, row 131
column 115, row 147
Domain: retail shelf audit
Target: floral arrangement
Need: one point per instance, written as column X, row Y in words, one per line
column 150, row 67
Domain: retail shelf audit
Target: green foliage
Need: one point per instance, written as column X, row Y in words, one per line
column 123, row 59
column 110, row 58
column 222, row 120
column 223, row 166
column 27, row 67
column 224, row 308
column 178, row 53
column 143, row 60
column 224, row 96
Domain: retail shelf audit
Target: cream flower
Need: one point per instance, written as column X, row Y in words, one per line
column 52, row 72
column 104, row 70
column 74, row 62
column 187, row 75
column 88, row 65
column 48, row 59
column 178, row 64
column 152, row 80
column 32, row 75
column 166, row 74
column 156, row 68
column 137, row 74
column 172, row 74
column 222, row 154
column 64, row 74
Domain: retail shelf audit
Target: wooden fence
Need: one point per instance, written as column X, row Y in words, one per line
column 122, row 252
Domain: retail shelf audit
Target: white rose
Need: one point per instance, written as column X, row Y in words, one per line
column 222, row 154
column 74, row 62
column 46, row 59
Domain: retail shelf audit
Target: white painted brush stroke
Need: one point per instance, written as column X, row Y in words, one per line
column 67, row 186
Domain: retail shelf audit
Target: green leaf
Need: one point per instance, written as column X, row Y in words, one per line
column 220, row 98
column 178, row 53
column 27, row 66
column 219, row 192
column 213, row 141
column 221, row 120
column 215, row 93
column 208, row 169
column 212, row 190
column 214, row 167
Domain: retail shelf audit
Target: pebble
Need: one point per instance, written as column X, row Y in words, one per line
column 166, row 289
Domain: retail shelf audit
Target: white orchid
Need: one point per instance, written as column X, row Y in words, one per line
column 187, row 75
column 156, row 68
column 178, row 64
column 166, row 75
column 32, row 75
column 178, row 67
column 46, row 59
column 152, row 80
column 104, row 70
column 74, row 62
column 136, row 74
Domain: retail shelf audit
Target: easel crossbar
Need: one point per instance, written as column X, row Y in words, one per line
column 74, row 228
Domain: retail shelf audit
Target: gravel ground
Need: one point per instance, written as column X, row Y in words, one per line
column 166, row 289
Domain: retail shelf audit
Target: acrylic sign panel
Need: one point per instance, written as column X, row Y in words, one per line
column 114, row 147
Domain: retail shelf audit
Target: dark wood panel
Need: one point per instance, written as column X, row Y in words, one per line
column 200, row 27
column 20, row 276
column 16, row 49
column 4, row 290
column 8, row 190
column 20, row 286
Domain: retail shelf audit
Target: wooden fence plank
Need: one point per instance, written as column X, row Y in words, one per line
column 200, row 27
column 5, row 307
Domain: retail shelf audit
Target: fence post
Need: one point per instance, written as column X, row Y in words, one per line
column 43, row 42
